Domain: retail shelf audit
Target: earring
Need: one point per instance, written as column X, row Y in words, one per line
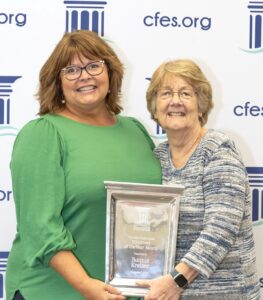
column 63, row 101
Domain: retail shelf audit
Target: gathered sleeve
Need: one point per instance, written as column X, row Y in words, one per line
column 39, row 192
column 225, row 190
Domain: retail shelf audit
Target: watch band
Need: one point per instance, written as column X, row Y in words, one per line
column 179, row 279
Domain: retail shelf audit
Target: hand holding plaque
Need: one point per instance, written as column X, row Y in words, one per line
column 141, row 233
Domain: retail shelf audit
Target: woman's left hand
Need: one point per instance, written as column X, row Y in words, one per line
column 161, row 288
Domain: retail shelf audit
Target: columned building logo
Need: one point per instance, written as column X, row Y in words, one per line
column 3, row 264
column 255, row 175
column 87, row 15
column 6, row 90
column 159, row 132
column 255, row 26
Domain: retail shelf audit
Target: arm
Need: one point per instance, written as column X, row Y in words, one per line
column 224, row 186
column 67, row 265
column 225, row 199
column 39, row 192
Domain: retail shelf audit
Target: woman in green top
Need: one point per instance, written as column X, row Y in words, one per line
column 59, row 163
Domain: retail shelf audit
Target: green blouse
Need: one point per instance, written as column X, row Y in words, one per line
column 58, row 168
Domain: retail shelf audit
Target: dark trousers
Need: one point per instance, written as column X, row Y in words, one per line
column 18, row 296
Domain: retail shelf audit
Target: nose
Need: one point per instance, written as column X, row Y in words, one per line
column 175, row 98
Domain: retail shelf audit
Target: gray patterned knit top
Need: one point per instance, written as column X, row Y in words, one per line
column 215, row 230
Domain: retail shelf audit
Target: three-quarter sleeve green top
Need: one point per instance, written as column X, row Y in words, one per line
column 58, row 171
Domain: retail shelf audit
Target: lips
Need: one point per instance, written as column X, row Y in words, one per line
column 87, row 88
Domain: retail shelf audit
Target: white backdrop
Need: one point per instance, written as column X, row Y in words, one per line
column 224, row 37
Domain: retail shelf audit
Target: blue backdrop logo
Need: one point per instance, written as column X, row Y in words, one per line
column 159, row 20
column 5, row 195
column 255, row 43
column 11, row 18
column 87, row 15
column 3, row 264
column 159, row 132
column 255, row 175
column 5, row 92
column 248, row 109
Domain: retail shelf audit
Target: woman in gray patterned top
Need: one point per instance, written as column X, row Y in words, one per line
column 215, row 256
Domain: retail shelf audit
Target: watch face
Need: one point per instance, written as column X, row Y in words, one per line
column 180, row 280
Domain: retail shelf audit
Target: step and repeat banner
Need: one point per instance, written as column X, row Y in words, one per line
column 224, row 37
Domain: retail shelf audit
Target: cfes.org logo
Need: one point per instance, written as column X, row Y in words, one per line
column 157, row 19
column 5, row 195
column 6, row 89
column 87, row 15
column 18, row 19
column 248, row 109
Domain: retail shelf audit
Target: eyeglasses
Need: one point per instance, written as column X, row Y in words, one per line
column 183, row 94
column 74, row 72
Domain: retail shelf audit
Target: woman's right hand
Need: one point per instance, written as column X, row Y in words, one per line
column 98, row 290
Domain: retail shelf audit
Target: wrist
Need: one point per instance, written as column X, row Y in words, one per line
column 84, row 285
column 179, row 279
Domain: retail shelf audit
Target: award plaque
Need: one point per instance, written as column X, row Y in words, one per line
column 141, row 233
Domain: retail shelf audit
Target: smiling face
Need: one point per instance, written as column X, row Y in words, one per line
column 87, row 93
column 173, row 113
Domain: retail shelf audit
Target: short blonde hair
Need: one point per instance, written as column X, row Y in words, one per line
column 89, row 45
column 192, row 74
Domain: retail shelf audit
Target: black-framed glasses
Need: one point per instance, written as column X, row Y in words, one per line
column 74, row 72
column 183, row 94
